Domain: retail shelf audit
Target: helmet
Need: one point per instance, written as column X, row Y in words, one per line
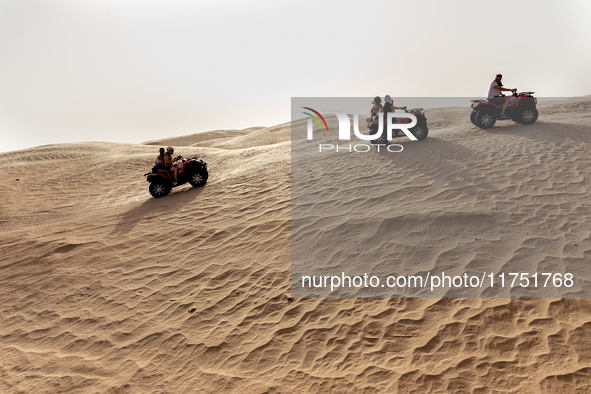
column 387, row 98
column 377, row 100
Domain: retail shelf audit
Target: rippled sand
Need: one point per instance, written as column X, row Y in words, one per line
column 105, row 289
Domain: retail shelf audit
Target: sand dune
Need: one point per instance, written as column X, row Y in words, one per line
column 192, row 139
column 105, row 289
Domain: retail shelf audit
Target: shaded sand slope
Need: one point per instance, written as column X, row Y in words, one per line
column 105, row 289
column 511, row 199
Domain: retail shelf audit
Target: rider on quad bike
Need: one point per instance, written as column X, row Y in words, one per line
column 389, row 106
column 420, row 131
column 496, row 96
column 192, row 170
column 520, row 107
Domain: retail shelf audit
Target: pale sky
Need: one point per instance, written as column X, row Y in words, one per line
column 138, row 70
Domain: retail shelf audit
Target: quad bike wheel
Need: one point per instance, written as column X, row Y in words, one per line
column 473, row 117
column 420, row 131
column 199, row 178
column 485, row 119
column 528, row 116
column 159, row 189
column 378, row 141
column 516, row 117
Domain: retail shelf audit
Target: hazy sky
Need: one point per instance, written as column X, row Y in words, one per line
column 137, row 70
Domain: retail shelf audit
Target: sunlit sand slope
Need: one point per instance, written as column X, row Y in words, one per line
column 105, row 289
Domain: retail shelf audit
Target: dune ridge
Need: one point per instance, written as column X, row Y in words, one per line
column 105, row 289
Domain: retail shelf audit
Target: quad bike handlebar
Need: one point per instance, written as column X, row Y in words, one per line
column 181, row 158
column 517, row 94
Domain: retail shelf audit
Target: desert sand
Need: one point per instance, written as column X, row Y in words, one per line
column 106, row 289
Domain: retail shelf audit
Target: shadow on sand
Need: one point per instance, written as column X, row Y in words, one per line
column 159, row 210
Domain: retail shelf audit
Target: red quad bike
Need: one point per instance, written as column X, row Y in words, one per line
column 522, row 109
column 420, row 130
column 192, row 170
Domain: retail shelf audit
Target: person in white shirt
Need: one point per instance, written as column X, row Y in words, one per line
column 495, row 95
